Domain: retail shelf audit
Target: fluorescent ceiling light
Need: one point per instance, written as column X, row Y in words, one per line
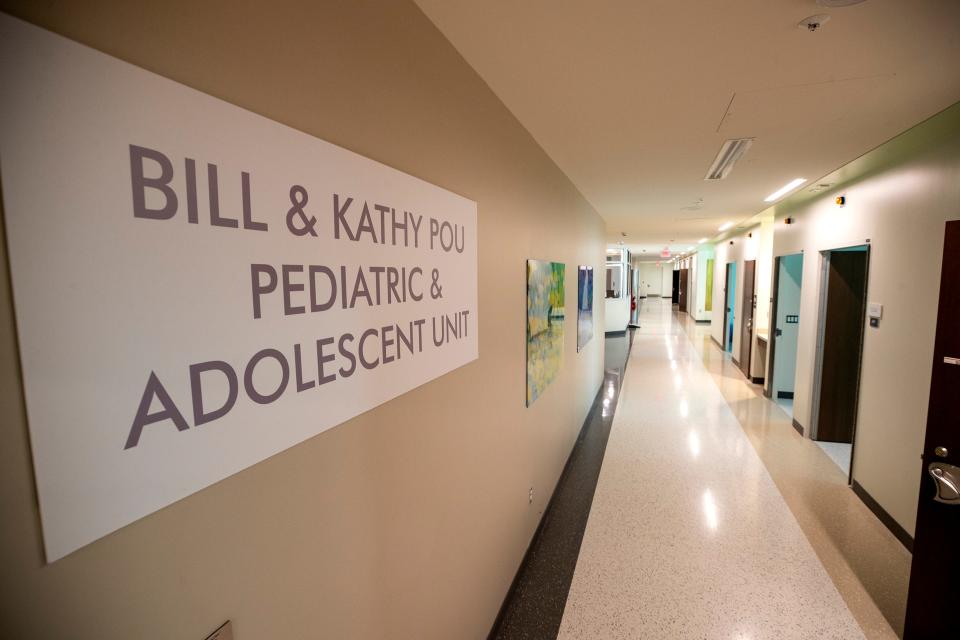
column 725, row 226
column 701, row 240
column 785, row 189
column 730, row 152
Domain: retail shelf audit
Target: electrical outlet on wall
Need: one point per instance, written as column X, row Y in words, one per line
column 531, row 495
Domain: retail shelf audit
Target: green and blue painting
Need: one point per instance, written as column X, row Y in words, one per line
column 584, row 306
column 545, row 314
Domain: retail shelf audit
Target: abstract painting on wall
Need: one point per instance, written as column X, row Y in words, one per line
column 584, row 305
column 708, row 304
column 545, row 314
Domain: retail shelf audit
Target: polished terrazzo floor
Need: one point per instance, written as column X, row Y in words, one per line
column 839, row 452
column 689, row 535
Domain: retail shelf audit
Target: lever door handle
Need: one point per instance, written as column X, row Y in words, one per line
column 946, row 477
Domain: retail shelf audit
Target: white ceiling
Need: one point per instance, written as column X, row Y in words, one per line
column 633, row 98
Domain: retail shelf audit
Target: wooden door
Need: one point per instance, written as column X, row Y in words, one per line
column 682, row 298
column 748, row 306
column 772, row 338
column 726, row 309
column 842, row 343
column 934, row 595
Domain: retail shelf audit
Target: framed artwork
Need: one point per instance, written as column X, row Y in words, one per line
column 545, row 315
column 708, row 303
column 584, row 305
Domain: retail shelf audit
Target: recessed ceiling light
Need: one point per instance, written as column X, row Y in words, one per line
column 730, row 152
column 785, row 189
column 701, row 240
column 725, row 226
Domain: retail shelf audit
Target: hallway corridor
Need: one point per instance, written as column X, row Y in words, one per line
column 689, row 535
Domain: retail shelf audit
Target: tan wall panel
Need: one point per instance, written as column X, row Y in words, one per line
column 410, row 520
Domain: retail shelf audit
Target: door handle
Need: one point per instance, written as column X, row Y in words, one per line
column 946, row 477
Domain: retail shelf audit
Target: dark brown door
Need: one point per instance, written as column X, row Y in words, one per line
column 746, row 321
column 682, row 299
column 842, row 343
column 675, row 292
column 772, row 338
column 726, row 310
column 934, row 596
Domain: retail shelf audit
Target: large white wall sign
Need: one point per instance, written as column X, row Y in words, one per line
column 198, row 288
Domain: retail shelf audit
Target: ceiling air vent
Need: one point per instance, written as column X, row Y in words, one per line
column 728, row 155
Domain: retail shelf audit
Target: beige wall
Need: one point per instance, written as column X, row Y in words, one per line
column 408, row 521
column 754, row 243
column 901, row 207
column 743, row 248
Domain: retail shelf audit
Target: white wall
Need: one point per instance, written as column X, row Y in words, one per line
column 651, row 278
column 698, row 298
column 900, row 208
column 666, row 281
column 764, row 292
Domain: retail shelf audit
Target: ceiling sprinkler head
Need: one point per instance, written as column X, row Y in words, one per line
column 813, row 23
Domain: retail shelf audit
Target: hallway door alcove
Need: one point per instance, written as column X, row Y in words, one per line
column 729, row 306
column 784, row 330
column 748, row 306
column 684, row 282
column 843, row 315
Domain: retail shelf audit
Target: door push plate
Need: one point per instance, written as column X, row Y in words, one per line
column 946, row 478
